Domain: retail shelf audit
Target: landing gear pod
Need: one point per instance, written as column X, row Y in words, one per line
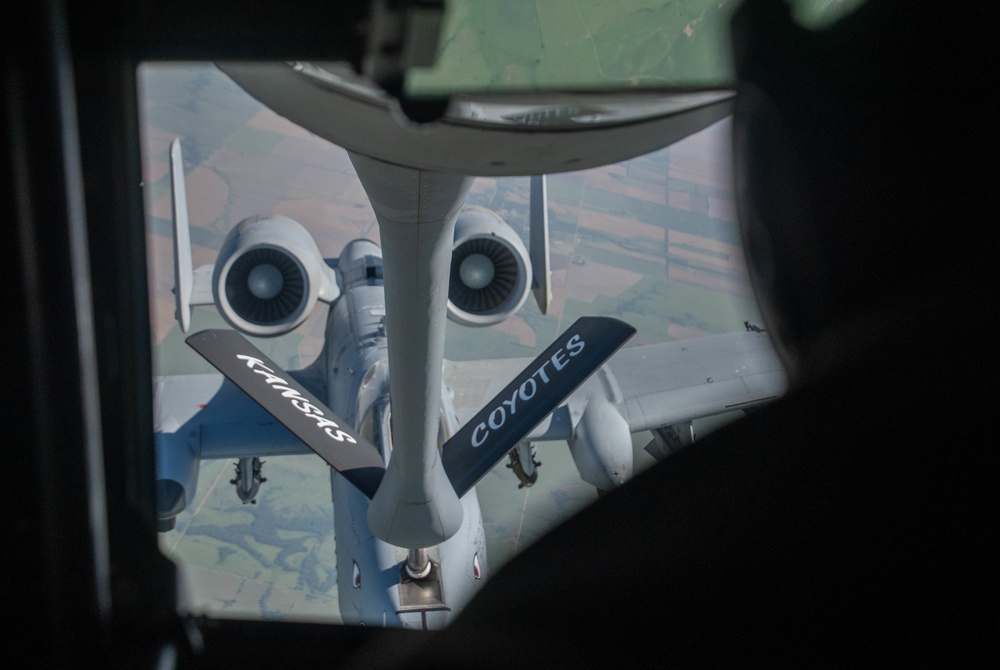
column 602, row 445
column 176, row 478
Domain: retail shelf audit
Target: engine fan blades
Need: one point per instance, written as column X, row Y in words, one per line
column 482, row 299
column 266, row 286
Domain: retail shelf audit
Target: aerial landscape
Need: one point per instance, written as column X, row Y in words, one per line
column 651, row 241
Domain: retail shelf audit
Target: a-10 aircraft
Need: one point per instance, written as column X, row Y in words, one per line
column 410, row 542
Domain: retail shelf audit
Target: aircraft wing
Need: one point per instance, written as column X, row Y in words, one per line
column 650, row 385
column 218, row 420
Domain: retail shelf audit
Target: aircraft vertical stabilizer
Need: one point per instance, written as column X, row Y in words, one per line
column 183, row 272
column 191, row 287
column 541, row 285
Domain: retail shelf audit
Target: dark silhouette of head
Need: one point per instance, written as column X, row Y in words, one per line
column 847, row 166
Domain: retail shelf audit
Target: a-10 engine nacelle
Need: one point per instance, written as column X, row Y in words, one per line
column 490, row 269
column 268, row 276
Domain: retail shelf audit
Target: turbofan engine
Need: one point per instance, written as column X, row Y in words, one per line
column 268, row 276
column 490, row 272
